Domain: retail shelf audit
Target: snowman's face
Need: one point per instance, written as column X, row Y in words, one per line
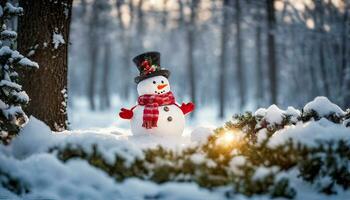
column 153, row 85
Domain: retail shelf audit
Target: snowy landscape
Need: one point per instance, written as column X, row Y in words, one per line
column 41, row 164
column 174, row 100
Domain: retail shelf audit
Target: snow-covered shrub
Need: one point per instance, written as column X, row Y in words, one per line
column 346, row 121
column 12, row 184
column 12, row 97
column 272, row 154
column 322, row 107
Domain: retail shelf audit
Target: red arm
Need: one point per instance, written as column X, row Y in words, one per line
column 186, row 107
column 126, row 114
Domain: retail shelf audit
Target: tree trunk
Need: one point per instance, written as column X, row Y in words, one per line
column 223, row 62
column 125, row 41
column 323, row 68
column 272, row 61
column 312, row 70
column 181, row 19
column 105, row 96
column 43, row 23
column 345, row 67
column 140, row 28
column 240, row 70
column 164, row 14
column 92, row 76
column 93, row 50
column 321, row 48
column 190, row 50
column 258, row 71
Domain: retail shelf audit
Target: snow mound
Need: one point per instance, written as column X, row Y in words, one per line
column 36, row 137
column 33, row 138
column 274, row 115
column 201, row 134
column 310, row 133
column 50, row 178
column 293, row 113
column 323, row 107
column 262, row 172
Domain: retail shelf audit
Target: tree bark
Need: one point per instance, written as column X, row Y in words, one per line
column 47, row 87
column 323, row 68
column 181, row 19
column 164, row 14
column 223, row 59
column 345, row 67
column 272, row 61
column 105, row 95
column 140, row 28
column 125, row 41
column 93, row 50
column 321, row 48
column 239, row 59
column 190, row 51
column 258, row 68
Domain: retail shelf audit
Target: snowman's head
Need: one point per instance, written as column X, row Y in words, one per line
column 153, row 85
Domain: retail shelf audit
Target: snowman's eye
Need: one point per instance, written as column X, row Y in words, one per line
column 154, row 82
column 162, row 81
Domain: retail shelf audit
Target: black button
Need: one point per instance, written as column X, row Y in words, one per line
column 170, row 119
column 166, row 109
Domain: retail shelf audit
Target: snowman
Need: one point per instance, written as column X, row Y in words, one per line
column 156, row 112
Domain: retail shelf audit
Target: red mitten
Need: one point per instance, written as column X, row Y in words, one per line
column 125, row 113
column 187, row 107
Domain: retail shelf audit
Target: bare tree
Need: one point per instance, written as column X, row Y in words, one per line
column 345, row 65
column 44, row 31
column 140, row 27
column 239, row 59
column 125, row 40
column 181, row 19
column 191, row 25
column 164, row 13
column 319, row 27
column 105, row 93
column 272, row 60
column 93, row 50
column 258, row 62
column 223, row 57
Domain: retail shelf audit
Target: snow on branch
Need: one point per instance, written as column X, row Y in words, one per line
column 25, row 62
column 12, row 97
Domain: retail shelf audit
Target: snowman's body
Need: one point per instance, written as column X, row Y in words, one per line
column 171, row 121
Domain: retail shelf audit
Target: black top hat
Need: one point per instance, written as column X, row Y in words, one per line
column 149, row 66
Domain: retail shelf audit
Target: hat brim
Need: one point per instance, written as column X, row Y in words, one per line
column 162, row 72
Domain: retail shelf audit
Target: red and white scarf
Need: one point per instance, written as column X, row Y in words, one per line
column 151, row 103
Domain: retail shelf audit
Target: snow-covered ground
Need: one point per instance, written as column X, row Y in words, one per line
column 81, row 118
column 48, row 177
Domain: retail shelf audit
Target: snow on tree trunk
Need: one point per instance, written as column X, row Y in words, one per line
column 44, row 33
column 12, row 97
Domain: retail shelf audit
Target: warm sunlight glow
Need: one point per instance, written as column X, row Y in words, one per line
column 229, row 138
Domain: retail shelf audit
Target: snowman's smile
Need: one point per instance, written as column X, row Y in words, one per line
column 159, row 87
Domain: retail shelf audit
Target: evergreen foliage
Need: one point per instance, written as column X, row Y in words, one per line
column 12, row 97
column 235, row 159
column 12, row 184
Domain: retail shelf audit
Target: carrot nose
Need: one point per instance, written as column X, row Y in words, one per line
column 161, row 86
